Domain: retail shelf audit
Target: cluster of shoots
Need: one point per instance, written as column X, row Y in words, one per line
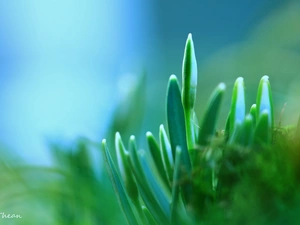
column 155, row 185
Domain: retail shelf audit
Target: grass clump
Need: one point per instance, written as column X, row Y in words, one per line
column 195, row 174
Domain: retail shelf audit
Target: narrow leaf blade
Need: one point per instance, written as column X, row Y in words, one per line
column 125, row 171
column 118, row 186
column 157, row 157
column 207, row 128
column 175, row 186
column 143, row 183
column 264, row 101
column 244, row 133
column 177, row 132
column 189, row 88
column 189, row 74
column 237, row 111
column 150, row 219
column 263, row 130
column 166, row 153
column 253, row 113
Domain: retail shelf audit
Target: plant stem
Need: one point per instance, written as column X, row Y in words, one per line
column 190, row 137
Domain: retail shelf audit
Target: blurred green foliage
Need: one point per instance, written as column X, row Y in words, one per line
column 72, row 191
column 272, row 48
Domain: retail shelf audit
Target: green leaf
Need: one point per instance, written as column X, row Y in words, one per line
column 175, row 186
column 208, row 125
column 227, row 128
column 248, row 127
column 157, row 157
column 118, row 186
column 189, row 88
column 125, row 171
column 166, row 153
column 253, row 113
column 244, row 132
column 195, row 124
column 176, row 125
column 237, row 111
column 189, row 75
column 264, row 101
column 155, row 184
column 153, row 200
column 150, row 219
column 175, row 118
column 134, row 162
column 262, row 134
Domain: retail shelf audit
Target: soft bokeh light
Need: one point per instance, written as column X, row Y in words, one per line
column 58, row 63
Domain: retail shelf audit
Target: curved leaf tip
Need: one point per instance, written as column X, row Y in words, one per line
column 189, row 74
column 264, row 99
column 240, row 79
column 118, row 135
column 207, row 128
column 132, row 138
column 222, row 86
column 173, row 78
column 265, row 78
column 161, row 127
column 148, row 134
column 237, row 111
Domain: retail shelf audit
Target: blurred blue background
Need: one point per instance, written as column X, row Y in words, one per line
column 61, row 61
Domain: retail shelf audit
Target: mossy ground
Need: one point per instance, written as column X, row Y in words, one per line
column 252, row 185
